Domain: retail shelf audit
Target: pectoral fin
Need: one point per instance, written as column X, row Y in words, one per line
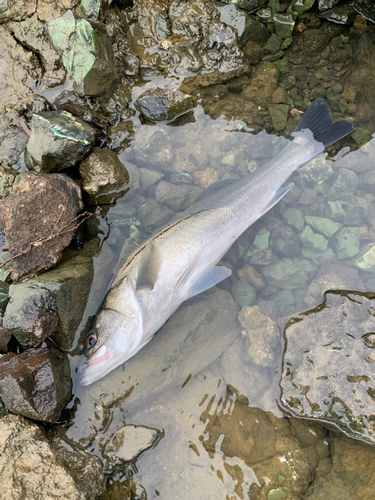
column 211, row 278
column 149, row 266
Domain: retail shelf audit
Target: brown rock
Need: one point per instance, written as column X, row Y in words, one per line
column 249, row 275
column 206, row 177
column 36, row 383
column 17, row 10
column 262, row 84
column 41, row 205
column 349, row 94
column 280, row 96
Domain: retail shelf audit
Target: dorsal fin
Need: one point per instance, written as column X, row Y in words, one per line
column 148, row 268
column 218, row 186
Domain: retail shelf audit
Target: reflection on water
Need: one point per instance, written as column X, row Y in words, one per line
column 201, row 398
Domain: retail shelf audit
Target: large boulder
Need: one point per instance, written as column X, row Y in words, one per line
column 40, row 206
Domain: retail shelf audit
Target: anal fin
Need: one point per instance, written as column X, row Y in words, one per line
column 211, row 278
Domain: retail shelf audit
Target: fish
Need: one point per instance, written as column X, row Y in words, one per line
column 179, row 260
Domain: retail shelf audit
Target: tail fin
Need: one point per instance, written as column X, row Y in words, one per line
column 318, row 119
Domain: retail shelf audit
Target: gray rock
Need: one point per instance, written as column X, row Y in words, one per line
column 58, row 140
column 243, row 293
column 289, row 273
column 317, row 257
column 284, row 242
column 177, row 197
column 294, row 217
column 69, row 101
column 247, row 27
column 163, row 104
column 132, row 64
column 262, row 336
column 104, row 177
column 31, row 467
column 346, row 242
column 148, row 177
column 344, row 186
column 331, row 379
column 86, row 52
column 36, row 383
column 128, row 443
column 40, row 205
column 31, row 315
column 153, row 215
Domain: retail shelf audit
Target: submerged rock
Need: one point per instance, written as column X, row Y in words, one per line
column 41, row 205
column 289, row 273
column 31, row 315
column 32, row 467
column 104, row 177
column 344, row 186
column 36, row 383
column 58, row 140
column 262, row 84
column 331, row 379
column 163, row 104
column 86, row 52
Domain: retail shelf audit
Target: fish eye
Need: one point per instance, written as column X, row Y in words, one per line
column 91, row 340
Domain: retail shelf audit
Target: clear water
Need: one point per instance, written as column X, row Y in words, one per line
column 220, row 431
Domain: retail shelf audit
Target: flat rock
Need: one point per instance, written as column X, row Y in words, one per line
column 39, row 206
column 30, row 467
column 86, row 52
column 31, row 315
column 36, row 383
column 58, row 140
column 331, row 379
column 104, row 177
column 163, row 104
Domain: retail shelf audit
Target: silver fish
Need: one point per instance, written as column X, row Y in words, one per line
column 179, row 260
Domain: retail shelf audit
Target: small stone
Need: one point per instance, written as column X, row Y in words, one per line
column 261, row 242
column 86, row 52
column 262, row 335
column 345, row 185
column 312, row 240
column 361, row 136
column 104, row 177
column 89, row 9
column 36, row 383
column 366, row 260
column 317, row 170
column 132, row 64
column 278, row 493
column 163, row 104
column 289, row 273
column 349, row 94
column 280, row 96
column 273, row 44
column 307, row 197
column 346, row 242
column 206, row 177
column 250, row 276
column 324, row 226
column 40, row 205
column 261, row 258
column 282, row 65
column 58, row 141
column 284, row 242
column 279, row 115
column 229, row 160
column 294, row 218
column 243, row 293
column 334, row 210
column 284, row 24
column 31, row 315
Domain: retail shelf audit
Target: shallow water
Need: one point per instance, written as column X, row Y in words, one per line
column 220, row 431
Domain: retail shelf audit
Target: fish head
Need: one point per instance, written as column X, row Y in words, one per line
column 115, row 336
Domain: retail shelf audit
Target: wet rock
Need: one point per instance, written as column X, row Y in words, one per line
column 36, row 383
column 334, row 210
column 309, row 239
column 104, row 177
column 32, row 468
column 262, row 84
column 336, row 277
column 366, row 259
column 323, row 225
column 31, row 33
column 327, row 4
column 284, row 242
column 177, row 197
column 31, row 315
column 279, row 115
column 243, row 293
column 262, row 336
column 249, row 275
column 16, row 10
column 313, row 42
column 331, row 379
column 344, row 186
column 261, row 242
column 317, row 257
column 273, row 44
column 247, row 27
column 70, row 284
column 346, row 242
column 355, row 215
column 40, row 205
column 153, row 215
column 69, row 101
column 307, row 196
column 128, row 443
column 206, row 177
column 251, row 381
column 303, row 5
column 148, row 177
column 7, row 178
column 289, row 273
column 58, row 140
column 86, row 52
column 163, row 104
column 132, row 64
column 317, row 170
column 284, row 24
column 294, row 218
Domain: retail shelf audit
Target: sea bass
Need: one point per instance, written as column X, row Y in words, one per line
column 179, row 260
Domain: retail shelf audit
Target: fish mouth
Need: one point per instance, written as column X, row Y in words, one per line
column 97, row 366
